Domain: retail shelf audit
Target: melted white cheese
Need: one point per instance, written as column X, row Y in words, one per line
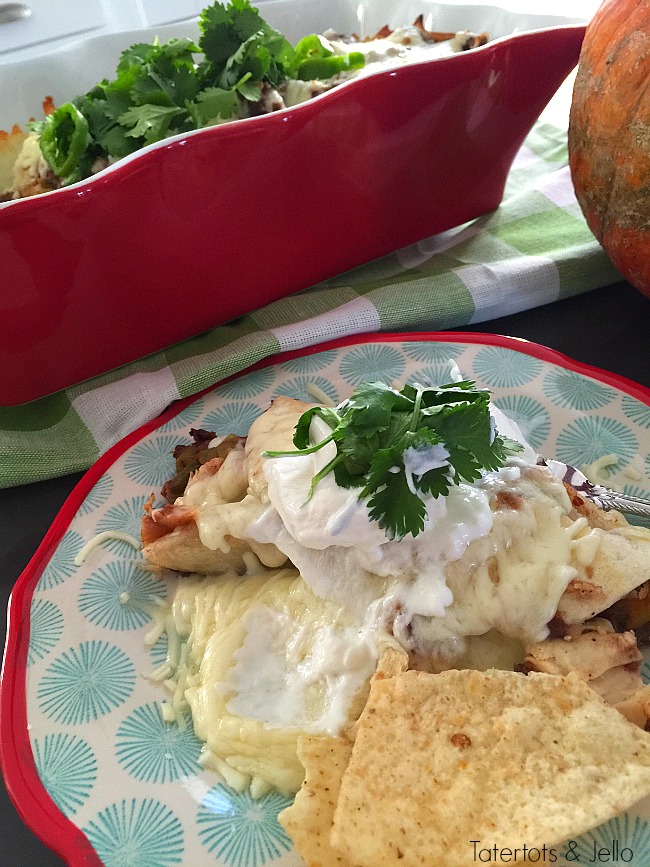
column 510, row 580
column 288, row 675
column 404, row 45
column 266, row 661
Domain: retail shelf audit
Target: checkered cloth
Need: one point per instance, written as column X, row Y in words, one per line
column 534, row 249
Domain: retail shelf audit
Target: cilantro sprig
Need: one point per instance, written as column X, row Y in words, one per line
column 385, row 437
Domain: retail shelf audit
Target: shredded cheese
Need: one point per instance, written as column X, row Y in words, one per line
column 105, row 536
column 319, row 395
column 594, row 471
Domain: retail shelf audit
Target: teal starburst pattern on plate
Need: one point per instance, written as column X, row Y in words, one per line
column 623, row 840
column 503, row 368
column 298, row 388
column 67, row 767
column 248, row 386
column 241, row 831
column 432, row 353
column 645, row 672
column 86, row 682
column 568, row 388
column 45, row 628
column 185, row 419
column 151, row 463
column 590, row 437
column 154, row 751
column 118, row 595
column 232, row 418
column 372, row 363
column 434, row 374
column 62, row 565
column 158, row 652
column 311, row 363
column 125, row 517
column 636, row 411
column 137, row 833
column 533, row 418
column 100, row 492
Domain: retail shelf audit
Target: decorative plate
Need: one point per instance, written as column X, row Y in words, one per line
column 89, row 763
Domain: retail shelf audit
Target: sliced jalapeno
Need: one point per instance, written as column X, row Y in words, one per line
column 326, row 67
column 63, row 139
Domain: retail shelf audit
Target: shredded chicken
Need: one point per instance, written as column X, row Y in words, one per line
column 618, row 571
column 609, row 661
column 234, row 466
column 633, row 612
column 192, row 457
column 596, row 517
column 157, row 523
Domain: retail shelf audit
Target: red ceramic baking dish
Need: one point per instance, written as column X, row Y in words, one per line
column 199, row 229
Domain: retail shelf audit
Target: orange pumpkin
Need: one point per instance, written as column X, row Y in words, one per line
column 609, row 135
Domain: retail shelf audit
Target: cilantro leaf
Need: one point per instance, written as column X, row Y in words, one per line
column 502, row 449
column 213, row 105
column 435, row 482
column 224, row 28
column 466, row 468
column 358, row 451
column 149, row 122
column 301, row 438
column 373, row 404
column 249, row 89
column 466, row 425
column 390, row 500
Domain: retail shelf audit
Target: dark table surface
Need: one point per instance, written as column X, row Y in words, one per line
column 607, row 328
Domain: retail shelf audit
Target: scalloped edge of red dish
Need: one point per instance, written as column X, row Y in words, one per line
column 25, row 787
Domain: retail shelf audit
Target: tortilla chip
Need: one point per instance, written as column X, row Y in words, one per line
column 308, row 821
column 393, row 660
column 636, row 708
column 442, row 760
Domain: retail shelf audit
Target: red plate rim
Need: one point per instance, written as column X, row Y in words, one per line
column 25, row 787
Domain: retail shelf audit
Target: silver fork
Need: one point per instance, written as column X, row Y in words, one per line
column 603, row 497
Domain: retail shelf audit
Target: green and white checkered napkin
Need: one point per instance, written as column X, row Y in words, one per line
column 534, row 249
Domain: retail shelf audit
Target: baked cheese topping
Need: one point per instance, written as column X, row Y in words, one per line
column 265, row 660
